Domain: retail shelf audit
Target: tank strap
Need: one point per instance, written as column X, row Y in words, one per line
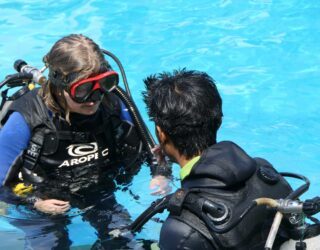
column 187, row 206
column 31, row 157
column 179, row 205
column 176, row 202
column 197, row 224
column 73, row 136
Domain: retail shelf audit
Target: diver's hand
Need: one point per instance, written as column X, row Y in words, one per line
column 161, row 185
column 162, row 166
column 159, row 154
column 52, row 206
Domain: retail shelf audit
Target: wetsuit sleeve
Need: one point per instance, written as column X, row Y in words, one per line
column 177, row 235
column 14, row 138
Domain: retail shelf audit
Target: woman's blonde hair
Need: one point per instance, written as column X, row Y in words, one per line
column 71, row 58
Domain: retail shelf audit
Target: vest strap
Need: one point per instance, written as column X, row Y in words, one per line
column 33, row 151
column 176, row 201
column 73, row 136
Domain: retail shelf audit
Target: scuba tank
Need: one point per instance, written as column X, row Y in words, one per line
column 22, row 79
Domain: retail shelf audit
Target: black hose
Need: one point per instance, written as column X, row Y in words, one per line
column 217, row 230
column 123, row 73
column 145, row 134
column 15, row 80
column 157, row 206
column 126, row 97
column 138, row 122
column 299, row 191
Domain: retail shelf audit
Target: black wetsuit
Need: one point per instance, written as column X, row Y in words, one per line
column 81, row 162
column 226, row 174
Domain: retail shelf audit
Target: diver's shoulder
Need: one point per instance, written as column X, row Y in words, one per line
column 32, row 107
column 228, row 144
column 28, row 98
column 229, row 148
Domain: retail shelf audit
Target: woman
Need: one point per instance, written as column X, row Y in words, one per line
column 71, row 141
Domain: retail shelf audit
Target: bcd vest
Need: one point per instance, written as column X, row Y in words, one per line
column 71, row 157
column 252, row 231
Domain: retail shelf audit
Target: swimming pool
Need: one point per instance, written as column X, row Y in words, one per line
column 264, row 55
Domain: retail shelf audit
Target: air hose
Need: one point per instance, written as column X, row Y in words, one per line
column 157, row 206
column 135, row 115
column 15, row 80
column 302, row 189
column 125, row 97
column 123, row 73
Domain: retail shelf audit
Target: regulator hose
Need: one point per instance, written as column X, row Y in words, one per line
column 299, row 191
column 15, row 80
column 135, row 115
column 156, row 207
column 126, row 98
column 123, row 73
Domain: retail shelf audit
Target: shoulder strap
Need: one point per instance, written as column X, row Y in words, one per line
column 195, row 223
column 31, row 156
column 33, row 150
column 73, row 135
column 36, row 115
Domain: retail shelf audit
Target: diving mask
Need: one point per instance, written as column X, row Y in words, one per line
column 82, row 91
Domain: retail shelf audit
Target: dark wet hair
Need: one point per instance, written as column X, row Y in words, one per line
column 187, row 106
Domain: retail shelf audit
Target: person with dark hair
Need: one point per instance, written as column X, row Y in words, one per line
column 69, row 144
column 186, row 108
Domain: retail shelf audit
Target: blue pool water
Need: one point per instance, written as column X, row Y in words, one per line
column 264, row 55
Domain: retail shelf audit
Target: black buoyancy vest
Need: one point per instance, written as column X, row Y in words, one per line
column 226, row 174
column 70, row 156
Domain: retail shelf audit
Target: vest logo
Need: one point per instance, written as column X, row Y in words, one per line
column 83, row 153
column 77, row 150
